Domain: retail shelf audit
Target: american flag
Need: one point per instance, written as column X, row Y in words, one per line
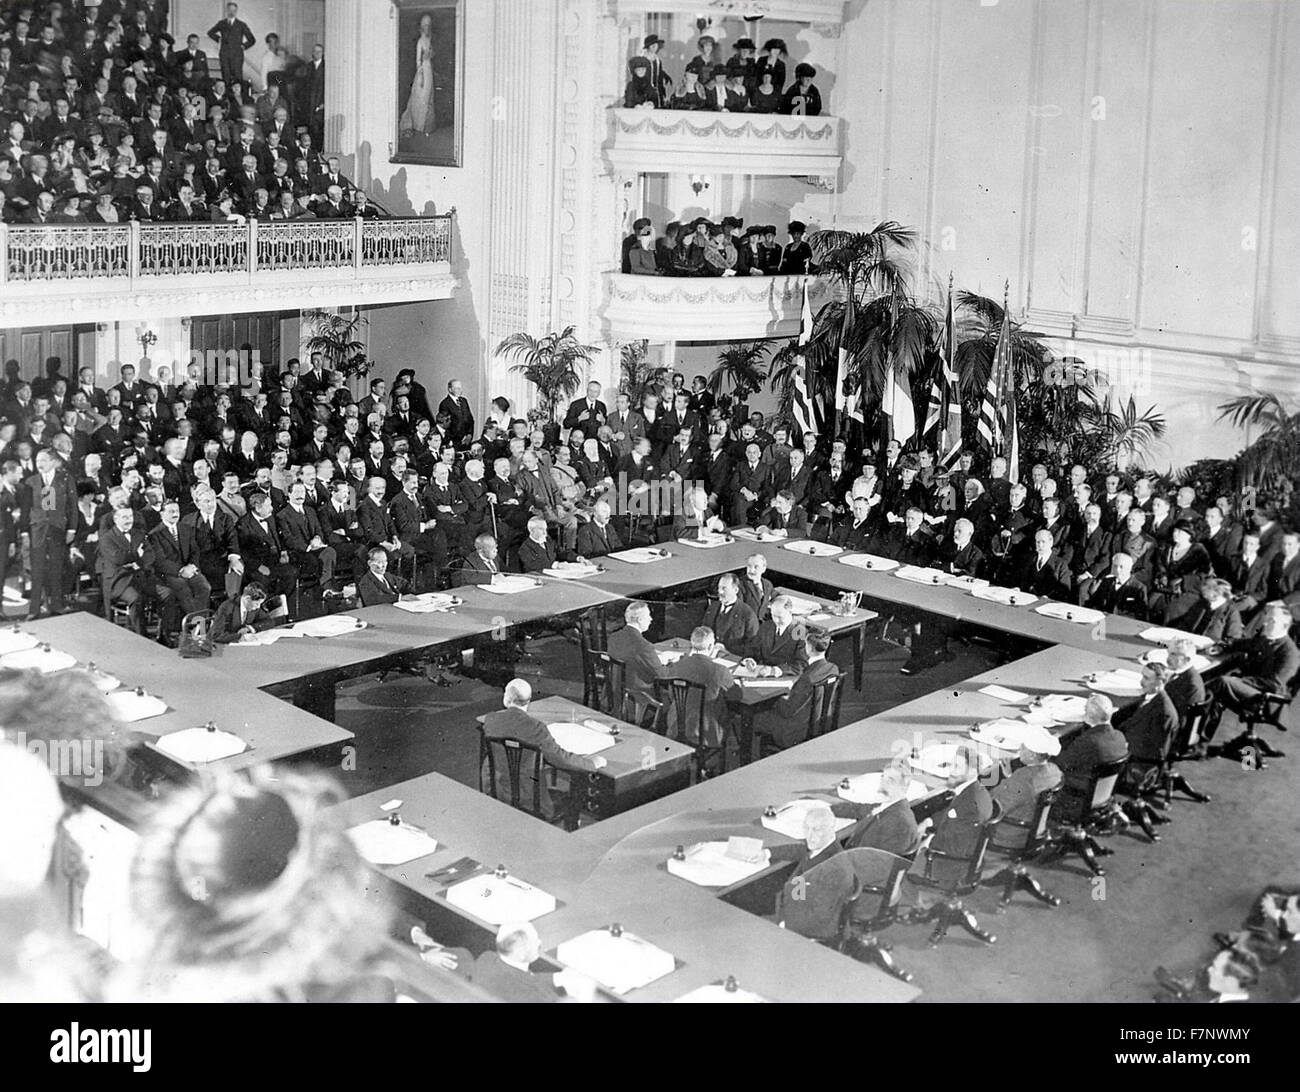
column 802, row 404
column 997, row 423
column 944, row 410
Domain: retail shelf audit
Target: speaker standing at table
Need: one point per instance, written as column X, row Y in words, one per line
column 756, row 590
column 786, row 723
column 49, row 517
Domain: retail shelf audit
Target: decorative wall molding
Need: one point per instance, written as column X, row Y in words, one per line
column 822, row 13
column 687, row 142
column 706, row 308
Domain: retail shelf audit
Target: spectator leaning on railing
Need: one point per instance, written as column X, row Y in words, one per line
column 704, row 249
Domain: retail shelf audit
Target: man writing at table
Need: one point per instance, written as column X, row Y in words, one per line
column 786, row 722
column 513, row 722
column 733, row 624
column 242, row 615
column 641, row 664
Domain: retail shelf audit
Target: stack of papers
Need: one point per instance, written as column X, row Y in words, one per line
column 382, row 842
column 800, row 607
column 198, row 745
column 1003, row 693
column 707, row 543
column 428, row 603
column 1056, row 709
column 813, row 549
column 619, row 963
column 1011, row 597
column 1002, row 734
column 720, row 864
column 328, row 625
column 498, row 900
column 38, row 658
column 1085, row 616
column 581, row 739
column 643, row 555
column 789, row 818
column 753, row 534
column 1164, row 635
column 966, row 583
column 571, row 570
column 509, row 585
column 865, row 789
column 869, row 561
column 670, row 656
column 15, row 640
column 918, row 575
column 1119, row 683
column 716, row 993
column 949, row 760
column 127, row 707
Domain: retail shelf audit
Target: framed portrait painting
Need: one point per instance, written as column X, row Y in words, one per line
column 430, row 49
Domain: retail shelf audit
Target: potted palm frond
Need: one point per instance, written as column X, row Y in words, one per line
column 741, row 367
column 1270, row 464
column 549, row 363
column 637, row 376
column 336, row 336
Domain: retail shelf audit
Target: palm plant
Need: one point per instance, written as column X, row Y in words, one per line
column 337, row 337
column 1125, row 434
column 740, row 366
column 550, row 363
column 1271, row 462
column 637, row 377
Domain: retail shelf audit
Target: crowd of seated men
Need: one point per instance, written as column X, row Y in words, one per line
column 749, row 81
column 701, row 248
column 105, row 119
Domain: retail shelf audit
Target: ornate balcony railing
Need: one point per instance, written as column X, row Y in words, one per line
column 707, row 308
column 76, row 272
column 826, row 14
column 691, row 141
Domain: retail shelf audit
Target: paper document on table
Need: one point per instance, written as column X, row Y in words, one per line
column 428, row 603
column 15, row 640
column 1003, row 693
column 508, row 585
column 800, row 606
column 1166, row 635
column 710, row 864
column 1012, row 597
column 262, row 638
column 382, row 842
column 327, row 625
column 40, row 658
column 706, row 543
column 127, row 706
column 918, row 575
column 1002, row 733
column 869, row 561
column 497, row 899
column 1119, row 683
column 578, row 739
column 568, row 570
column 619, row 963
column 1200, row 663
column 1056, row 709
column 865, row 789
column 1084, row 616
column 642, row 555
column 717, row 993
column 813, row 549
column 198, row 745
column 789, row 818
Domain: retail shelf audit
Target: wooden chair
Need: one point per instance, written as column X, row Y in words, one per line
column 1029, row 840
column 823, row 713
column 955, row 884
column 1185, row 746
column 602, row 682
column 592, row 628
column 513, row 753
column 1080, row 815
column 879, row 876
column 643, row 711
column 1249, row 748
column 686, row 700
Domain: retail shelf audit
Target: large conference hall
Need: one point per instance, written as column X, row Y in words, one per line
column 711, row 501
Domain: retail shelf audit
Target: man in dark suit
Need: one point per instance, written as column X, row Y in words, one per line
column 700, row 667
column 49, row 518
column 587, row 413
column 242, row 615
column 182, row 586
column 456, row 407
column 812, row 901
column 232, row 37
column 303, row 537
column 733, row 624
column 1097, row 744
column 482, row 565
column 377, row 586
column 1264, row 662
column 416, row 528
column 641, row 664
column 1044, row 573
column 756, row 591
column 125, row 561
column 264, row 555
column 1183, row 685
column 513, row 722
column 911, row 542
column 597, row 537
column 750, row 487
column 784, row 515
column 1119, row 591
column 1214, row 614
column 339, row 525
column 505, row 972
column 1089, row 552
column 1018, row 794
column 1286, row 572
column 781, row 641
column 375, row 524
column 1149, row 723
column 786, row 722
column 856, row 530
column 11, row 482
column 537, row 551
column 215, row 543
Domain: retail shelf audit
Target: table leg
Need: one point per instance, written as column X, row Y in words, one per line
column 859, row 644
